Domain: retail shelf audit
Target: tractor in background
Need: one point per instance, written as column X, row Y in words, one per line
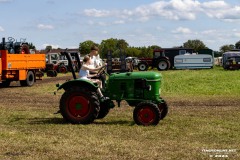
column 56, row 62
column 81, row 104
column 159, row 60
column 118, row 64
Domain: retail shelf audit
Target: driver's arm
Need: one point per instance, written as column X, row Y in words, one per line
column 90, row 68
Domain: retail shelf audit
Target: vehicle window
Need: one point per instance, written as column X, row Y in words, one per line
column 181, row 52
column 179, row 60
column 156, row 54
column 206, row 59
column 54, row 57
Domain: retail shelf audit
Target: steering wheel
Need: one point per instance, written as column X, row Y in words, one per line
column 101, row 71
column 11, row 39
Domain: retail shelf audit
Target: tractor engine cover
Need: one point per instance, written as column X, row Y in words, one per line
column 134, row 86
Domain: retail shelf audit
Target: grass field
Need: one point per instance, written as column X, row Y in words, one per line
column 203, row 122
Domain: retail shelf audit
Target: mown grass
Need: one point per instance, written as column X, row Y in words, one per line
column 206, row 82
column 30, row 130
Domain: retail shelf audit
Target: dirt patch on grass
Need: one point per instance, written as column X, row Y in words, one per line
column 16, row 95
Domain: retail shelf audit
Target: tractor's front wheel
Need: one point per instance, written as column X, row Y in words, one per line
column 62, row 69
column 79, row 106
column 146, row 114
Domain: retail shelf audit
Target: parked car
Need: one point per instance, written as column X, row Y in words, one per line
column 230, row 60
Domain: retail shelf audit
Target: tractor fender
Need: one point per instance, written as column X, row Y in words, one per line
column 78, row 83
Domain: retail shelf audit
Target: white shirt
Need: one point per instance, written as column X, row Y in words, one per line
column 84, row 73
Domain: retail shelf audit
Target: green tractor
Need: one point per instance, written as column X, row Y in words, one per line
column 81, row 104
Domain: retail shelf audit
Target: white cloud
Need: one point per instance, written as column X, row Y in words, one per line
column 1, row 29
column 221, row 10
column 208, row 32
column 173, row 10
column 102, row 24
column 119, row 22
column 104, row 32
column 45, row 27
column 96, row 13
column 237, row 35
column 5, row 1
column 182, row 30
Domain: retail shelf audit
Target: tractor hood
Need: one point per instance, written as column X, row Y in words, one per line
column 149, row 76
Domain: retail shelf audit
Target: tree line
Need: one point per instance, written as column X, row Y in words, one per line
column 117, row 46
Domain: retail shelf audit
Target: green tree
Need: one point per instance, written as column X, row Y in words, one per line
column 108, row 45
column 194, row 44
column 85, row 47
column 48, row 48
column 237, row 45
column 122, row 44
column 226, row 47
column 31, row 46
column 133, row 52
column 155, row 47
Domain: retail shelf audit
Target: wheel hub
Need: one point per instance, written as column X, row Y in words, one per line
column 78, row 106
column 146, row 115
column 162, row 65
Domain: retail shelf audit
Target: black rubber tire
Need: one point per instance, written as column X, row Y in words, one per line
column 104, row 110
column 163, row 107
column 5, row 84
column 86, row 113
column 52, row 73
column 146, row 114
column 165, row 62
column 62, row 69
column 30, row 79
column 142, row 66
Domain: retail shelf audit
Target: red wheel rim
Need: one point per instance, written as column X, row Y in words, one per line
column 78, row 106
column 63, row 70
column 146, row 115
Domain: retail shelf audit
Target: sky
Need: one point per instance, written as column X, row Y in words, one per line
column 66, row 23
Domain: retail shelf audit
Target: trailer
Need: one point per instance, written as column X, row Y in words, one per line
column 17, row 64
column 193, row 61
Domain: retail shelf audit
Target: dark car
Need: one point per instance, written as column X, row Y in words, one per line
column 232, row 63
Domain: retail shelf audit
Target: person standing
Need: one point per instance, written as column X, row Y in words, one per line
column 95, row 62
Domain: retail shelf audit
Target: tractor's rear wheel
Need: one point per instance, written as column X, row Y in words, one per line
column 79, row 106
column 163, row 64
column 142, row 66
column 30, row 79
column 146, row 114
column 163, row 107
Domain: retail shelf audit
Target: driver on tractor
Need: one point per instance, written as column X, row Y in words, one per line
column 84, row 73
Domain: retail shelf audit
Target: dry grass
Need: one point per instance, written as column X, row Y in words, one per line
column 30, row 130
